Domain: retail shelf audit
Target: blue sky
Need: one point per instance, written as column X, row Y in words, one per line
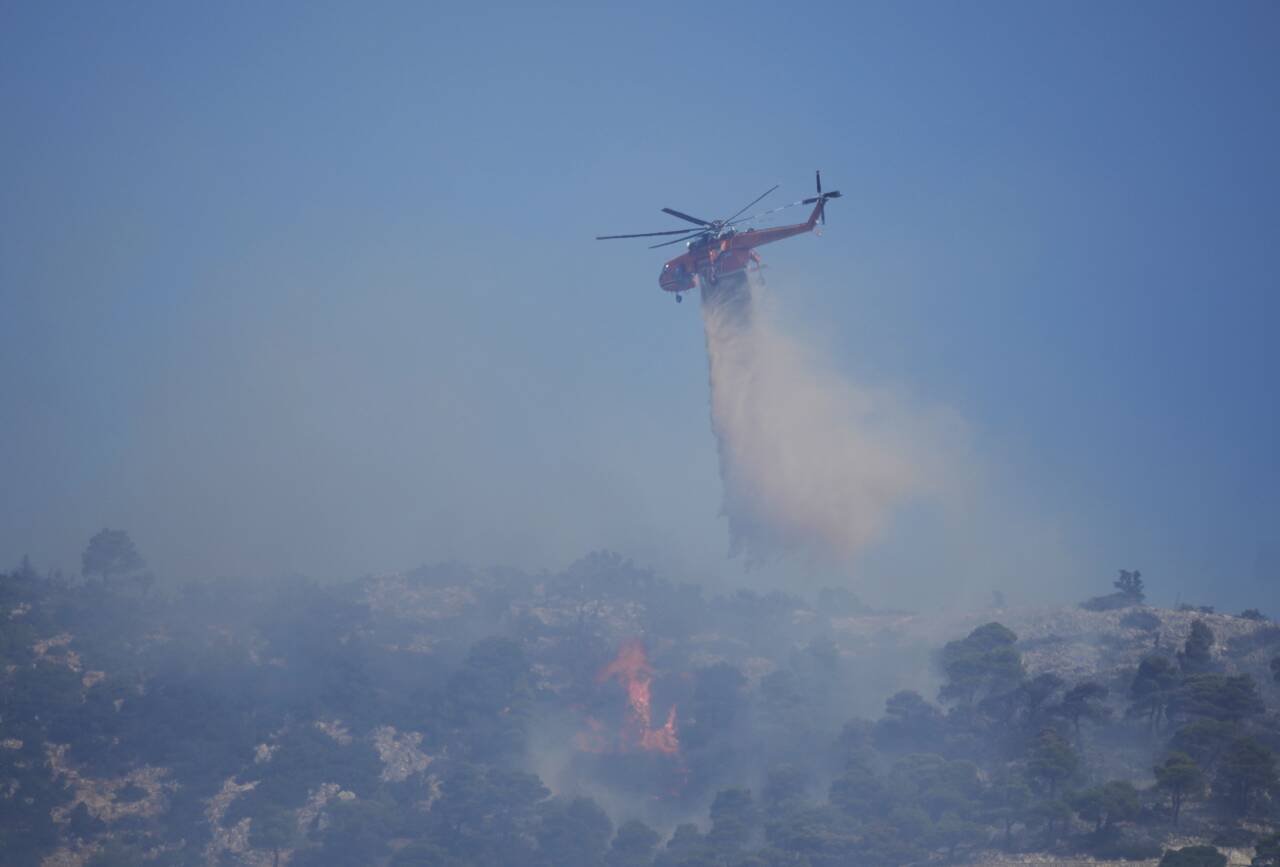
column 313, row 288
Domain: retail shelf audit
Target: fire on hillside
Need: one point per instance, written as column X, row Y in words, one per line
column 631, row 668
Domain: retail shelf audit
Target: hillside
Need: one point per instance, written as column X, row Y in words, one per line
column 602, row 715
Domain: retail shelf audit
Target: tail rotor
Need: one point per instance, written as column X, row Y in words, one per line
column 821, row 197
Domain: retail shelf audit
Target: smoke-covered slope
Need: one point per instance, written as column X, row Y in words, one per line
column 603, row 715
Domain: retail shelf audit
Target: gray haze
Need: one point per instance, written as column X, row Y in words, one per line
column 312, row 291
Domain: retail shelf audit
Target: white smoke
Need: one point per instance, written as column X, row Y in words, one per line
column 811, row 462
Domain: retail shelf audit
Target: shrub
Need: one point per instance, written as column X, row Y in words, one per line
column 1110, row 602
column 1235, row 838
column 1110, row 844
column 1193, row 856
column 1144, row 620
column 131, row 793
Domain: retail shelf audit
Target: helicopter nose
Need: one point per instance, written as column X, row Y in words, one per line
column 672, row 279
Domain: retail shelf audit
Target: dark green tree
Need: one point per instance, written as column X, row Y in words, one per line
column 1105, row 805
column 487, row 814
column 633, row 845
column 1051, row 761
column 47, row 690
column 573, row 833
column 952, row 831
column 1084, row 701
column 784, row 787
column 686, row 846
column 859, row 792
column 84, row 824
column 718, row 701
column 489, row 700
column 1218, row 696
column 812, row 832
column 1181, row 779
column 856, row 740
column 25, row 571
column 1120, row 803
column 1246, row 769
column 912, row 822
column 1008, row 802
column 1205, row 740
column 717, row 719
column 733, row 820
column 884, row 844
column 787, row 719
column 511, row 803
column 1196, row 656
column 982, row 664
column 1267, row 851
column 424, row 854
column 1153, row 690
column 1087, row 804
column 116, row 853
column 305, row 757
column 1051, row 814
column 273, row 829
column 937, row 786
column 1130, row 585
column 1031, row 700
column 909, row 724
column 457, row 816
column 356, row 833
column 111, row 553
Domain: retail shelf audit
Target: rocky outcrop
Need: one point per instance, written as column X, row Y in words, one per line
column 100, row 796
column 70, row 856
column 319, row 798
column 234, row 839
column 400, row 755
column 336, row 730
column 395, row 594
column 1235, row 858
column 1070, row 642
column 68, row 657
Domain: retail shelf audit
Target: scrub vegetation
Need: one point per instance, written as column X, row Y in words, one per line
column 602, row 716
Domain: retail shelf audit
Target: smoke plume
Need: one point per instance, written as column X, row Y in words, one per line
column 811, row 463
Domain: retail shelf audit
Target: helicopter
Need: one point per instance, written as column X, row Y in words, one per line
column 718, row 248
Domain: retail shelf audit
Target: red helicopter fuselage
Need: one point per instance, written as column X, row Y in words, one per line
column 718, row 248
column 710, row 258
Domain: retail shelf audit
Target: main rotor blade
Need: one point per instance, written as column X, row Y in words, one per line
column 645, row 234
column 673, row 212
column 753, row 202
column 771, row 211
column 675, row 241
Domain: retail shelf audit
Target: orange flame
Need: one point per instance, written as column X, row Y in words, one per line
column 664, row 740
column 633, row 671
